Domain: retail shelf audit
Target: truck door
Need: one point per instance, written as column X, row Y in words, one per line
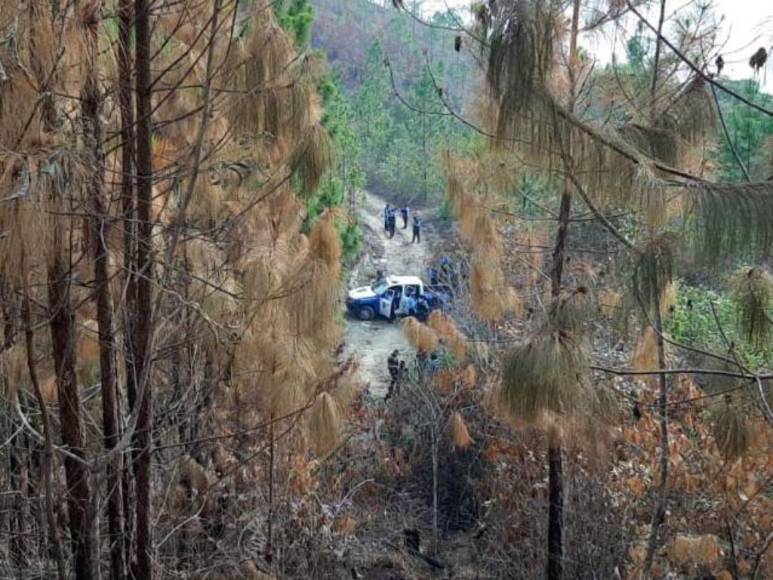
column 385, row 304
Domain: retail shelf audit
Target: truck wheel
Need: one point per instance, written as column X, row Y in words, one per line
column 366, row 313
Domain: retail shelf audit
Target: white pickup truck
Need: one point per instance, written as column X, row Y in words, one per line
column 391, row 296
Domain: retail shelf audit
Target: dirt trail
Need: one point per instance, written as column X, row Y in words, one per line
column 372, row 342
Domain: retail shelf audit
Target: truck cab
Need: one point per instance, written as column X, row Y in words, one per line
column 390, row 297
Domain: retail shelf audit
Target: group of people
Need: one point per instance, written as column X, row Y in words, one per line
column 398, row 370
column 414, row 306
column 414, row 303
column 390, row 221
column 448, row 273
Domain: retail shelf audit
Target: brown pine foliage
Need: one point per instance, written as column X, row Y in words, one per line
column 460, row 435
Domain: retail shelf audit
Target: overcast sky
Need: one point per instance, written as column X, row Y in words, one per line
column 747, row 25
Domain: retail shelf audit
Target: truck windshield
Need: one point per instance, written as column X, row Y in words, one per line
column 379, row 287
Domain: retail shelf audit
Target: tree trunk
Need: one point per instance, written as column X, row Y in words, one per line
column 93, row 133
column 555, row 472
column 16, row 477
column 269, row 555
column 125, row 102
column 659, row 514
column 656, row 64
column 559, row 250
column 434, row 489
column 48, row 445
column 143, row 309
column 62, row 324
column 555, row 512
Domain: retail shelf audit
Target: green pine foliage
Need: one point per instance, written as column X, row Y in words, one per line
column 750, row 133
column 403, row 141
column 693, row 322
column 296, row 17
column 346, row 175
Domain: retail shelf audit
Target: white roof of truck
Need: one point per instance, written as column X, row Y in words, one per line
column 404, row 280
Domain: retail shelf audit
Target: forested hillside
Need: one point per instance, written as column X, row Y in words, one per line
column 402, row 137
column 223, row 356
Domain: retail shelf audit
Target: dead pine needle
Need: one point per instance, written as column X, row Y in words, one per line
column 754, row 301
column 446, row 329
column 731, row 430
column 460, row 434
column 545, row 374
column 469, row 377
column 422, row 337
column 325, row 243
column 325, row 424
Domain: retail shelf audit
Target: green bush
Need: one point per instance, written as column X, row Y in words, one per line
column 351, row 240
column 693, row 323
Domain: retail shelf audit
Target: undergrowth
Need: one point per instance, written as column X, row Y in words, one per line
column 694, row 322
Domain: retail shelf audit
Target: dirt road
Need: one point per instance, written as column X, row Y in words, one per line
column 372, row 342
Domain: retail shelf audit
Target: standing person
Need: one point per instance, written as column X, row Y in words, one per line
column 391, row 222
column 393, row 367
column 422, row 308
column 416, row 229
column 410, row 303
column 404, row 213
column 387, row 209
column 434, row 363
column 402, row 375
column 393, row 308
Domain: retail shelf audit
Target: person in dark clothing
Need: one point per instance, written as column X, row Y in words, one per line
column 387, row 210
column 393, row 366
column 446, row 269
column 404, row 214
column 394, row 307
column 416, row 229
column 422, row 308
column 391, row 220
column 397, row 381
column 410, row 303
column 434, row 363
